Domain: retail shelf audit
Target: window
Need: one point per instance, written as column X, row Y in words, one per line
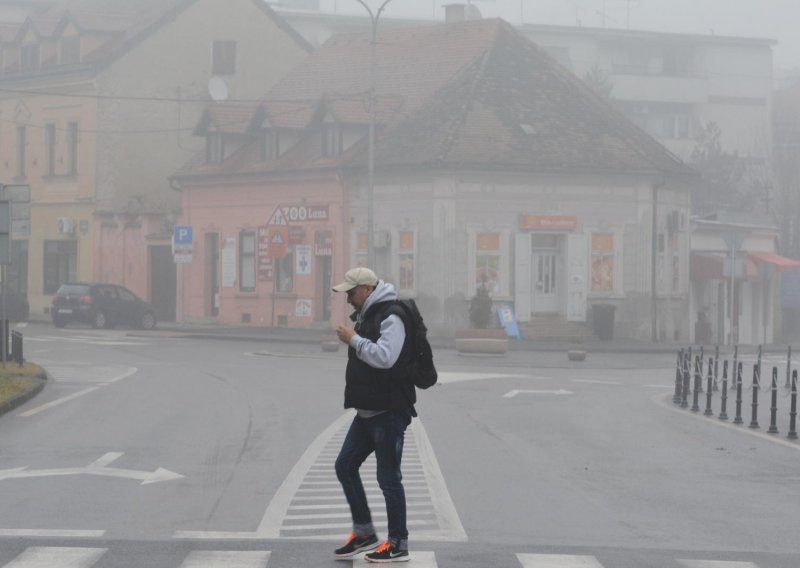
column 284, row 272
column 29, row 57
column 70, row 50
column 405, row 262
column 331, row 140
column 223, row 57
column 215, row 148
column 50, row 148
column 22, row 142
column 602, row 262
column 247, row 261
column 270, row 144
column 72, row 147
column 60, row 264
column 488, row 273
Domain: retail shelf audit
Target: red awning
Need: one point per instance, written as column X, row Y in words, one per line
column 781, row 263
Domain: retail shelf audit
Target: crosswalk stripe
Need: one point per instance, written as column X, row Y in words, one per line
column 57, row 557
column 226, row 558
column 558, row 561
column 423, row 559
column 716, row 564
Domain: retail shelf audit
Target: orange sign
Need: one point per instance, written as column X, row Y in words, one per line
column 487, row 241
column 277, row 241
column 406, row 240
column 548, row 222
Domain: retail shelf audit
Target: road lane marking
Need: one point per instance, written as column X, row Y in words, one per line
column 57, row 402
column 515, row 392
column 716, row 564
column 596, row 381
column 57, row 557
column 226, row 558
column 52, row 533
column 558, row 561
column 419, row 559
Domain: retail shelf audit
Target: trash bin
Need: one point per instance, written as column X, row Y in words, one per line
column 603, row 321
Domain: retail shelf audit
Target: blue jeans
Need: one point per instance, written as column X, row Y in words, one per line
column 384, row 435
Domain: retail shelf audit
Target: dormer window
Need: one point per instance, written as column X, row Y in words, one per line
column 29, row 56
column 223, row 57
column 70, row 50
column 270, row 144
column 332, row 140
column 215, row 148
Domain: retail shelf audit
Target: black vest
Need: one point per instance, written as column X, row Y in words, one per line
column 369, row 388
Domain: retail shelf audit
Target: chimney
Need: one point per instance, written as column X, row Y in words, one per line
column 455, row 13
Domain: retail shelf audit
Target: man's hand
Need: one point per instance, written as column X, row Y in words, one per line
column 345, row 334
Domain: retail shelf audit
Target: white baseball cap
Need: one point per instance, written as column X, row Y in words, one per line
column 360, row 276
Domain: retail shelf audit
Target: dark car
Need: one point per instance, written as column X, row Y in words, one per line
column 15, row 305
column 100, row 305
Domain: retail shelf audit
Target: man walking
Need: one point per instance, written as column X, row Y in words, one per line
column 377, row 386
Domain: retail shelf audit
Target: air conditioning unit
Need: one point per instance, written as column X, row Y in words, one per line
column 66, row 225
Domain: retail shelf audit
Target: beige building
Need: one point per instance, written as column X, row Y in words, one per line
column 97, row 102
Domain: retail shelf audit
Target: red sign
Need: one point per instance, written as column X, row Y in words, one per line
column 548, row 222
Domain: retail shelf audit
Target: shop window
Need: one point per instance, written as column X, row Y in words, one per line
column 488, row 272
column 284, row 272
column 60, row 264
column 406, row 262
column 247, row 261
column 602, row 262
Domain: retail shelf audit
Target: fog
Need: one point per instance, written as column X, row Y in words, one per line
column 774, row 19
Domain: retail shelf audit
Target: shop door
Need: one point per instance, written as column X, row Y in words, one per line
column 212, row 275
column 545, row 295
column 163, row 282
column 323, row 288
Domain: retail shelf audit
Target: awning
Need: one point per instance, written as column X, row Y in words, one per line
column 780, row 263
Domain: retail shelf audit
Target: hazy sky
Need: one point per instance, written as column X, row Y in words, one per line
column 774, row 19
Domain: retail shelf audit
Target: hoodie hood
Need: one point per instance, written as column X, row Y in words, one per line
column 383, row 292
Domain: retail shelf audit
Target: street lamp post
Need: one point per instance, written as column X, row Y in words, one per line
column 374, row 18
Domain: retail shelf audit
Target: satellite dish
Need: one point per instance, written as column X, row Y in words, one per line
column 217, row 89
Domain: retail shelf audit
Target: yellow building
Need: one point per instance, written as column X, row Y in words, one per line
column 97, row 104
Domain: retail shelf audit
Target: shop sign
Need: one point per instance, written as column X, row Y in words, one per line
column 264, row 261
column 323, row 243
column 287, row 214
column 297, row 235
column 548, row 222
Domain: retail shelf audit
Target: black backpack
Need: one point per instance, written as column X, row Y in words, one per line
column 422, row 371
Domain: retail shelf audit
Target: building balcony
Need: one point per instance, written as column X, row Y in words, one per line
column 659, row 88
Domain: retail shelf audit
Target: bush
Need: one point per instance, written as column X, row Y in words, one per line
column 480, row 308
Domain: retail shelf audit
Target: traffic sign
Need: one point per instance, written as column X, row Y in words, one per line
column 182, row 237
column 278, row 240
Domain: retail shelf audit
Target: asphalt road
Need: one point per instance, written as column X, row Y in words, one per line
column 152, row 450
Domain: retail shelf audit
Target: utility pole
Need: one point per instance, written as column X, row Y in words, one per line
column 374, row 17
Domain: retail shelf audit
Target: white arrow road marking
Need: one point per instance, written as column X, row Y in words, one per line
column 457, row 377
column 57, row 557
column 559, row 392
column 98, row 467
column 596, row 381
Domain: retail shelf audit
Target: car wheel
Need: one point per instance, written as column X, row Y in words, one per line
column 58, row 322
column 99, row 320
column 148, row 321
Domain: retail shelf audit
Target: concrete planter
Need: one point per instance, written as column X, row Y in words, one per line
column 576, row 354
column 482, row 341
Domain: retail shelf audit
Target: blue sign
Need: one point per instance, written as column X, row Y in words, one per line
column 182, row 237
column 508, row 320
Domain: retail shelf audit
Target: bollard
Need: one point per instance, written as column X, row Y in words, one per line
column 788, row 365
column 738, row 380
column 685, row 390
column 676, row 398
column 707, row 411
column 759, row 362
column 698, row 380
column 735, row 357
column 723, row 414
column 773, row 409
column 702, row 360
column 754, row 417
column 792, row 435
column 716, row 367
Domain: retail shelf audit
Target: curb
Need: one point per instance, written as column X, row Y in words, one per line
column 24, row 397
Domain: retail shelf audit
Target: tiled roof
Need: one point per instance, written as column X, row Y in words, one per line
column 473, row 93
column 228, row 118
